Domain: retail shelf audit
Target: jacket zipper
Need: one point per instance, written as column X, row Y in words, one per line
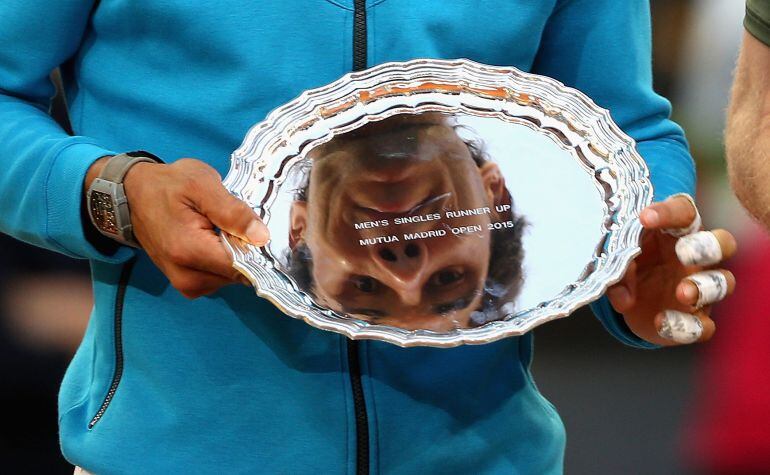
column 359, row 407
column 354, row 365
column 120, row 297
column 359, row 35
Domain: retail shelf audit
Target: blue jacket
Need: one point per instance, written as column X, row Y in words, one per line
column 226, row 383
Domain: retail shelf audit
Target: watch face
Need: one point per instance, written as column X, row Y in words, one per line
column 103, row 212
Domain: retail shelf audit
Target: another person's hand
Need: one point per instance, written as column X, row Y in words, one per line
column 175, row 210
column 662, row 299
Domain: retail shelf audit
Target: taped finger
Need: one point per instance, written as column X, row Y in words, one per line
column 711, row 286
column 680, row 327
column 702, row 249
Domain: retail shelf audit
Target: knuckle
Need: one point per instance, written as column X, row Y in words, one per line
column 178, row 255
column 184, row 164
column 188, row 285
column 190, row 182
column 200, row 182
column 211, row 172
column 188, row 162
column 190, row 295
column 204, row 172
column 236, row 276
column 196, row 168
column 178, row 282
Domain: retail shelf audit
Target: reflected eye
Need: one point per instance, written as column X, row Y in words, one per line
column 365, row 283
column 447, row 276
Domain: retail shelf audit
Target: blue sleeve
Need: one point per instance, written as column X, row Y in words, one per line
column 43, row 168
column 604, row 48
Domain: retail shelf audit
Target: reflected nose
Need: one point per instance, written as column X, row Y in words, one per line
column 403, row 264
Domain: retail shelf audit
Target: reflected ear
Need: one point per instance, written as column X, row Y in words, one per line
column 297, row 222
column 494, row 183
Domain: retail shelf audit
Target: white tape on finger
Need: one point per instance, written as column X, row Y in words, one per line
column 694, row 226
column 680, row 327
column 712, row 286
column 701, row 249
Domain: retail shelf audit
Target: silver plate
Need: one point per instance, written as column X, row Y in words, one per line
column 574, row 179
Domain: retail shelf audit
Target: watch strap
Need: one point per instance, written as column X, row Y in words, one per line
column 117, row 166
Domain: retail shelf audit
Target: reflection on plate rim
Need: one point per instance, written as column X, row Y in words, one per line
column 466, row 87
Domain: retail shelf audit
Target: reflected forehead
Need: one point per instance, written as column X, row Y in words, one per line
column 442, row 135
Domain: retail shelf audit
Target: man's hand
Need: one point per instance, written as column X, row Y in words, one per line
column 175, row 209
column 747, row 132
column 658, row 295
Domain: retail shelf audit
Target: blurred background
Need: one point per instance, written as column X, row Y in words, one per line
column 692, row 410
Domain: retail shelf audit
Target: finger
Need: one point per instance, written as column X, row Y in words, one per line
column 237, row 218
column 216, row 259
column 676, row 212
column 684, row 328
column 704, row 288
column 245, row 280
column 194, row 283
column 622, row 295
column 705, row 248
column 232, row 215
column 204, row 251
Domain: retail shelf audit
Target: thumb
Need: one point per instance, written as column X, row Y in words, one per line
column 232, row 215
column 623, row 294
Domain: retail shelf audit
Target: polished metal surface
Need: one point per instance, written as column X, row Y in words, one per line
column 572, row 182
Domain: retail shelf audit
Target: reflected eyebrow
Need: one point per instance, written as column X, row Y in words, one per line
column 369, row 312
column 457, row 304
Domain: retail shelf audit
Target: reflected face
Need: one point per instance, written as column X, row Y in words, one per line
column 379, row 225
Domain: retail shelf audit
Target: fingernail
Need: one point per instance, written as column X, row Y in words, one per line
column 701, row 248
column 651, row 217
column 690, row 292
column 680, row 327
column 257, row 233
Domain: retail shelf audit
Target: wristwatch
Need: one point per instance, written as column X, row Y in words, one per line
column 106, row 199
